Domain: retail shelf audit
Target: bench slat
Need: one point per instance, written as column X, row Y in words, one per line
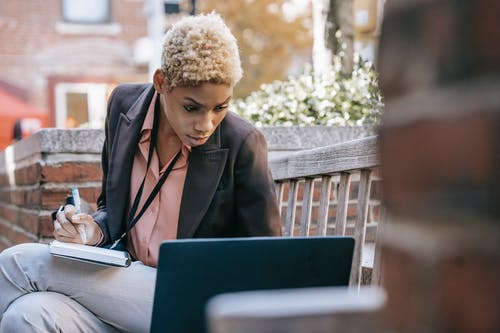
column 324, row 204
column 279, row 195
column 360, row 226
column 377, row 260
column 291, row 207
column 305, row 220
column 342, row 203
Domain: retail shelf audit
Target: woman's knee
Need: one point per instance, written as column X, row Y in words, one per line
column 23, row 251
column 29, row 313
column 50, row 312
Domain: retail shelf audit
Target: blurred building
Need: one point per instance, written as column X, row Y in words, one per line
column 63, row 57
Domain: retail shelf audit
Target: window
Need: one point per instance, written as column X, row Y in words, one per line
column 80, row 104
column 172, row 6
column 86, row 11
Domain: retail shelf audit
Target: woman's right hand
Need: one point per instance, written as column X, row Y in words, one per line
column 73, row 227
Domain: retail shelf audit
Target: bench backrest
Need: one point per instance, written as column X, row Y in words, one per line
column 319, row 183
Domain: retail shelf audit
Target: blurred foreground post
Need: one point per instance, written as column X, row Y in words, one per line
column 317, row 310
column 440, row 158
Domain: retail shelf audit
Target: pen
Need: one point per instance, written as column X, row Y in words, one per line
column 76, row 198
column 80, row 227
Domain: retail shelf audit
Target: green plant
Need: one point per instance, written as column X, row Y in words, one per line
column 330, row 98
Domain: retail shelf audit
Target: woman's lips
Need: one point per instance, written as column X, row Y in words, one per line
column 198, row 139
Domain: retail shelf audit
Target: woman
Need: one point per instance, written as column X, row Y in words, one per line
column 176, row 164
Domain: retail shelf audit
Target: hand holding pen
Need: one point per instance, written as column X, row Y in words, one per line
column 78, row 206
column 70, row 225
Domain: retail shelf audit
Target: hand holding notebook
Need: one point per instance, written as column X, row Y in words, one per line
column 74, row 229
column 91, row 254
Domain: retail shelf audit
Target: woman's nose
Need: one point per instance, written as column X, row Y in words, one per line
column 204, row 124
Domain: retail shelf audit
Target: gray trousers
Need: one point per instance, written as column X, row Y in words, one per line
column 43, row 293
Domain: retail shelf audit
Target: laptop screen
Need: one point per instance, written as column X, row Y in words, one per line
column 193, row 270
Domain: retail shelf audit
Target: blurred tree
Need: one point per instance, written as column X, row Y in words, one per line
column 329, row 17
column 273, row 36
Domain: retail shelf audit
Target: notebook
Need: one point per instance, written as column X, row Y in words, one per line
column 192, row 271
column 91, row 254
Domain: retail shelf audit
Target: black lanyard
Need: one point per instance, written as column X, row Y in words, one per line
column 131, row 219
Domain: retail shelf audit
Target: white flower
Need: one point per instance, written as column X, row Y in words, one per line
column 332, row 98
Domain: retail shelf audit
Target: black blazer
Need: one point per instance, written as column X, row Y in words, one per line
column 228, row 192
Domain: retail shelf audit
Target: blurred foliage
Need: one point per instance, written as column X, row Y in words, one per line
column 330, row 98
column 269, row 37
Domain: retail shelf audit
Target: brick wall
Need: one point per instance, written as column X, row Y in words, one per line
column 33, row 47
column 36, row 175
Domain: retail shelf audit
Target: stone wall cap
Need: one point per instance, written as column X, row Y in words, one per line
column 90, row 141
column 55, row 140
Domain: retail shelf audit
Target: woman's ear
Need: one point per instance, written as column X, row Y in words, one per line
column 159, row 81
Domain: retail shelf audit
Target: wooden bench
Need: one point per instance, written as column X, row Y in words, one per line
column 312, row 173
column 313, row 188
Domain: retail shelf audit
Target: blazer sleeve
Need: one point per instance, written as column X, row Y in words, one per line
column 255, row 198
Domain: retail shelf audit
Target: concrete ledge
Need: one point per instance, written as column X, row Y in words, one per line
column 90, row 141
column 54, row 141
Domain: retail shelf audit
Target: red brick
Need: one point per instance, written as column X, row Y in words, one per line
column 7, row 213
column 4, row 244
column 6, row 230
column 72, row 172
column 28, row 220
column 28, row 175
column 5, row 195
column 51, row 198
column 376, row 189
column 21, row 237
column 46, row 226
column 26, row 197
column 353, row 192
column 4, row 180
column 16, row 236
column 286, row 187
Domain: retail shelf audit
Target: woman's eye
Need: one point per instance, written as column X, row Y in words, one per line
column 221, row 107
column 190, row 108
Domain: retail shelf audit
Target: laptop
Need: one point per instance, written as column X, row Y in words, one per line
column 191, row 271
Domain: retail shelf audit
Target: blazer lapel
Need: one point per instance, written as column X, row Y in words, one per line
column 206, row 164
column 121, row 158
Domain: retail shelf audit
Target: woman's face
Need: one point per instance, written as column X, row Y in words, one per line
column 194, row 113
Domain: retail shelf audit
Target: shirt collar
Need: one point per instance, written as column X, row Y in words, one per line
column 147, row 126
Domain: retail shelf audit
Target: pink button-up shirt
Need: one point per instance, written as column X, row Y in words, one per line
column 159, row 221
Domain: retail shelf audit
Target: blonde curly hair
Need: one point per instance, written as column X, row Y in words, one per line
column 200, row 49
